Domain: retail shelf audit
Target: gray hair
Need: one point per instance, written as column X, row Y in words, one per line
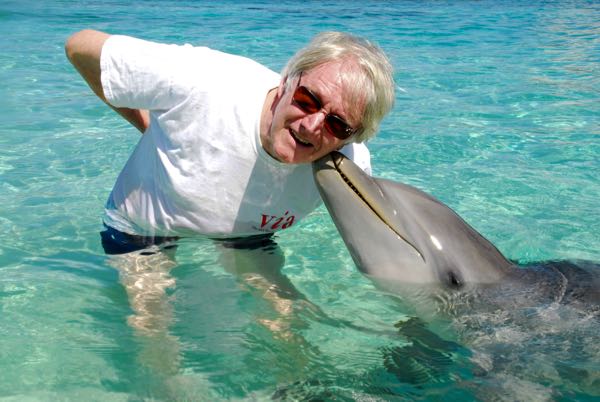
column 369, row 82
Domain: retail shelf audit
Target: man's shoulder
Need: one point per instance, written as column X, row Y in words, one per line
column 184, row 57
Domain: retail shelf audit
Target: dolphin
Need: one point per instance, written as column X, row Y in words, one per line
column 397, row 233
column 525, row 328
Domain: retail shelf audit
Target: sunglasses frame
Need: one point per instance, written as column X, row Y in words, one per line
column 333, row 123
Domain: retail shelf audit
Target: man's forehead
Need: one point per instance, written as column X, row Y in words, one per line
column 331, row 71
column 339, row 77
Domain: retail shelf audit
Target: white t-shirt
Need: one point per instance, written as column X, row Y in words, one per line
column 200, row 166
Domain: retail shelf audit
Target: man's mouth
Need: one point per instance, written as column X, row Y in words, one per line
column 299, row 140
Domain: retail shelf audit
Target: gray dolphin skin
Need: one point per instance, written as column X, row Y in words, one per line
column 394, row 231
column 514, row 332
column 397, row 233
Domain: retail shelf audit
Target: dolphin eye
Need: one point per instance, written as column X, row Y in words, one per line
column 454, row 280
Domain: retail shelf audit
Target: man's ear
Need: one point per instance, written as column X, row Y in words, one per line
column 279, row 92
column 282, row 86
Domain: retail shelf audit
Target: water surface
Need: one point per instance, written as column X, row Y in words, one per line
column 497, row 114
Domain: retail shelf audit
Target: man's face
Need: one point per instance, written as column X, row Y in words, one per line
column 297, row 136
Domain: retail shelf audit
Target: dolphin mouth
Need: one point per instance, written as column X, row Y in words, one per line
column 367, row 190
column 338, row 159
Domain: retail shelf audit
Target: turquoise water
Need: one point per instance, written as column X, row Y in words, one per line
column 497, row 114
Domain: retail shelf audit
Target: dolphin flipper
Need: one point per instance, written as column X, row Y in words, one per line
column 427, row 357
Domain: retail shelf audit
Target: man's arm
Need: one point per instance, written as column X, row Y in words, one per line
column 83, row 50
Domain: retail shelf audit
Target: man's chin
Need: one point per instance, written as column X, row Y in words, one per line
column 291, row 155
column 289, row 151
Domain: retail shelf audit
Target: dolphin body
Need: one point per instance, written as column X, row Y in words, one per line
column 398, row 234
column 543, row 316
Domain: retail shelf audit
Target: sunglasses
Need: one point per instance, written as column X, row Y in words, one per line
column 309, row 103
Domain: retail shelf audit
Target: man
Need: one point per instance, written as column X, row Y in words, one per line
column 228, row 143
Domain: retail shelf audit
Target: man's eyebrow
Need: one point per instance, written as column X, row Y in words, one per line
column 320, row 99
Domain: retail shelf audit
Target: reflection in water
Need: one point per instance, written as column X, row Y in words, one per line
column 146, row 276
column 256, row 266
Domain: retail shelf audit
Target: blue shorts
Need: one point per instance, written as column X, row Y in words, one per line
column 117, row 242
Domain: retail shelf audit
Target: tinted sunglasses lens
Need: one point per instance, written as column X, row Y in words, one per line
column 338, row 127
column 305, row 100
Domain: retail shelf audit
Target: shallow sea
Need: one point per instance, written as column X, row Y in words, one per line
column 497, row 114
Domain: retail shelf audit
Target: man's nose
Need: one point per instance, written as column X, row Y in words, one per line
column 313, row 122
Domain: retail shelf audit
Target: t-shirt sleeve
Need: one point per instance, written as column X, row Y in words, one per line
column 144, row 75
column 359, row 154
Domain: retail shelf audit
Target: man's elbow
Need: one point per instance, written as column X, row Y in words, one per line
column 73, row 43
column 83, row 49
column 87, row 42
